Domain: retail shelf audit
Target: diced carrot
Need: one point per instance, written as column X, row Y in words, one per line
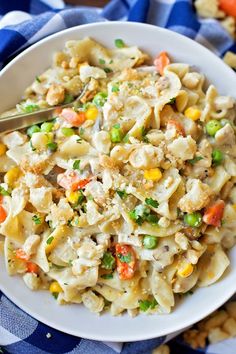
column 229, row 7
column 126, row 261
column 32, row 268
column 161, row 61
column 20, row 254
column 3, row 214
column 82, row 183
column 177, row 125
column 71, row 181
column 72, row 117
column 214, row 213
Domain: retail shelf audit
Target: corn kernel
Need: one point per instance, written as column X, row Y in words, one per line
column 3, row 149
column 72, row 197
column 153, row 174
column 192, row 113
column 91, row 113
column 55, row 287
column 185, row 269
column 12, row 175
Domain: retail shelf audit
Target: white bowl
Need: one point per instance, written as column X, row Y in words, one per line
column 75, row 319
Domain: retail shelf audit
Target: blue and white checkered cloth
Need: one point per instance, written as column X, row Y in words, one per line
column 23, row 22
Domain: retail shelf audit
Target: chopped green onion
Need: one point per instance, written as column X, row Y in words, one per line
column 101, row 61
column 100, row 99
column 152, row 202
column 33, row 129
column 37, row 79
column 76, row 165
column 119, row 43
column 52, row 146
column 47, row 127
column 67, row 131
column 217, row 157
column 150, row 242
column 193, row 219
column 108, row 261
column 212, row 127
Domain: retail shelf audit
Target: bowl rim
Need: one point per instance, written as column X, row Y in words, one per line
column 59, row 326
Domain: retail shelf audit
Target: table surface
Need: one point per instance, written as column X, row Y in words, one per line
column 98, row 3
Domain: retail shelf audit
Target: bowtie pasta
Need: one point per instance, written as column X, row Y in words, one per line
column 125, row 200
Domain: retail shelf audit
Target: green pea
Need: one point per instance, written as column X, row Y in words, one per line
column 100, row 99
column 193, row 219
column 33, row 129
column 67, row 131
column 217, row 157
column 119, row 43
column 47, row 127
column 116, row 134
column 150, row 242
column 212, row 127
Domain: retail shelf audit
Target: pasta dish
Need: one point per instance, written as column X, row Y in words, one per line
column 125, row 199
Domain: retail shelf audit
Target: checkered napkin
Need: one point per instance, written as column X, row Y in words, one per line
column 24, row 22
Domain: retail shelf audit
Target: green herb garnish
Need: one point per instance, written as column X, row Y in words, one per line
column 36, row 219
column 107, row 276
column 124, row 258
column 172, row 100
column 107, row 70
column 121, row 193
column 4, row 192
column 152, row 202
column 49, row 240
column 101, row 61
column 76, row 165
column 115, row 88
column 195, row 159
column 145, row 305
column 108, row 261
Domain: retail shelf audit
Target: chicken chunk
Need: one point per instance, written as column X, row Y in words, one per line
column 183, row 148
column 197, row 196
column 55, row 95
column 146, row 157
column 31, row 244
column 225, row 136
